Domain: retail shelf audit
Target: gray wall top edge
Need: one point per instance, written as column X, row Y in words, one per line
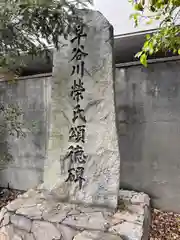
column 151, row 61
column 29, row 77
column 137, row 33
column 35, row 76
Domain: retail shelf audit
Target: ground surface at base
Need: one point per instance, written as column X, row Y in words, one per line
column 38, row 215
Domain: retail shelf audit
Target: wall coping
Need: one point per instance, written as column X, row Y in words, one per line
column 29, row 77
column 158, row 60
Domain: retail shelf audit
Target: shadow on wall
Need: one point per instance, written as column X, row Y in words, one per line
column 148, row 114
column 25, row 169
column 130, row 128
column 5, row 155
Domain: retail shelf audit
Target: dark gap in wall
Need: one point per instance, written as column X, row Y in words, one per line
column 40, row 64
column 126, row 47
column 30, row 72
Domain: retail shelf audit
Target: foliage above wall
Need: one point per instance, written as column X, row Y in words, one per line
column 28, row 26
column 166, row 38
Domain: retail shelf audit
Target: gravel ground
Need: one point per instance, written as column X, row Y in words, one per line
column 165, row 225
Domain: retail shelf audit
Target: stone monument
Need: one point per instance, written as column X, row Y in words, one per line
column 83, row 162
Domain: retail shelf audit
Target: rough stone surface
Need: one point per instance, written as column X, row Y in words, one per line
column 134, row 197
column 33, row 212
column 14, row 205
column 45, row 231
column 16, row 237
column 67, row 221
column 7, row 231
column 129, row 230
column 89, row 221
column 30, row 237
column 67, row 232
column 21, row 222
column 3, row 236
column 6, row 219
column 2, row 213
column 102, row 167
column 96, row 236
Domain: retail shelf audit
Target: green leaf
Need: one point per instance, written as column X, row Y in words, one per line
column 151, row 49
column 131, row 16
column 138, row 7
column 149, row 22
column 179, row 51
column 138, row 54
column 148, row 36
column 157, row 17
column 143, row 59
column 146, row 45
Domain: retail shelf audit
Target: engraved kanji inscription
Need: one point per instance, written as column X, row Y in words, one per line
column 78, row 69
column 76, row 175
column 77, row 134
column 78, row 113
column 79, row 53
column 76, row 154
column 77, row 90
column 79, row 34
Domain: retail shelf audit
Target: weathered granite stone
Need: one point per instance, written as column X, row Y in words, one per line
column 102, row 167
column 94, row 221
column 2, row 213
column 32, row 212
column 17, row 237
column 45, row 231
column 58, row 217
column 140, row 198
column 31, row 202
column 14, row 205
column 131, row 231
column 68, row 221
column 86, row 235
column 49, row 207
column 67, row 232
column 134, row 197
column 30, row 193
column 23, row 234
column 4, row 236
column 21, row 222
column 88, row 210
column 6, row 219
column 128, row 216
column 30, row 237
column 134, row 208
column 7, row 231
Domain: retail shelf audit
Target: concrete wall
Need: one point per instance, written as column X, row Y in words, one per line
column 148, row 108
column 26, row 168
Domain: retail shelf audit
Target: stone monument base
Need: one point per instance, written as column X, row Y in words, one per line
column 38, row 215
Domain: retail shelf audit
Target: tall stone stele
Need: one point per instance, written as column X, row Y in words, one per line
column 83, row 162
